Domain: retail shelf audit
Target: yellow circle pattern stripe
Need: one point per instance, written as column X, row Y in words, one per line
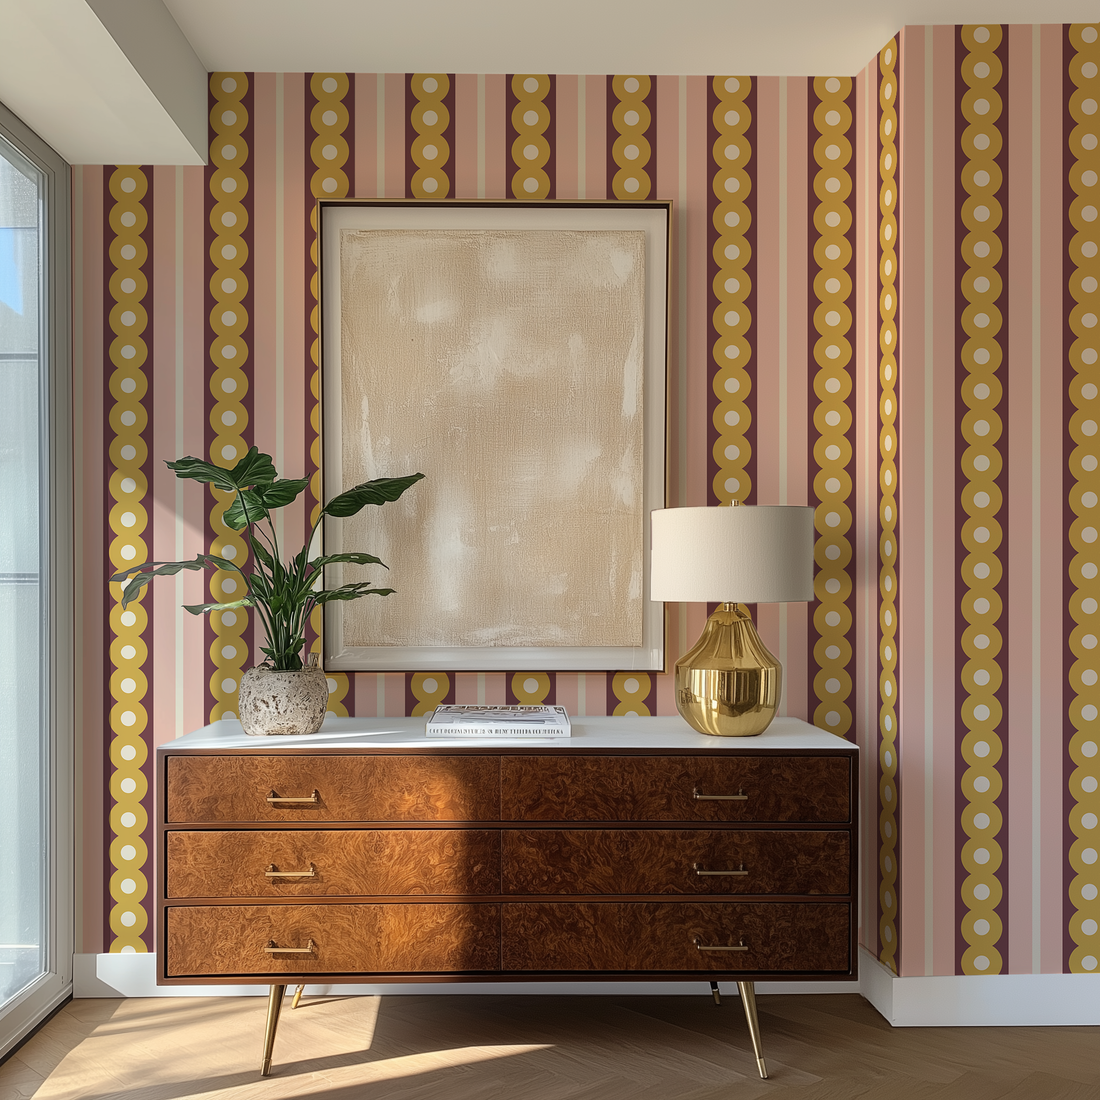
column 530, row 149
column 888, row 504
column 228, row 383
column 732, row 352
column 832, row 382
column 1083, row 932
column 981, row 532
column 129, row 521
column 632, row 690
column 430, row 151
column 429, row 689
column 329, row 152
column 630, row 150
column 522, row 692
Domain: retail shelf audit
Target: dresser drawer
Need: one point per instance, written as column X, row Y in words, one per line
column 225, row 940
column 780, row 937
column 676, row 788
column 665, row 861
column 331, row 862
column 214, row 789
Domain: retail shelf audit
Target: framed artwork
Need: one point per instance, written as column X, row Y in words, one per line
column 515, row 353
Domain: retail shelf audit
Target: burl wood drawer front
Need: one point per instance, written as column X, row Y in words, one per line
column 664, row 861
column 331, row 862
column 611, row 936
column 349, row 788
column 665, row 788
column 331, row 939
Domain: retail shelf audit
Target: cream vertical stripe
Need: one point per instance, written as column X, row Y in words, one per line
column 129, row 522
column 1084, row 485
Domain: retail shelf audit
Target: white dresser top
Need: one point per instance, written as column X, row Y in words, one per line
column 660, row 734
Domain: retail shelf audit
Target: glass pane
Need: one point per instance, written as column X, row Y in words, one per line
column 23, row 839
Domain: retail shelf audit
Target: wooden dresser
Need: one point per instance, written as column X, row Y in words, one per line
column 637, row 849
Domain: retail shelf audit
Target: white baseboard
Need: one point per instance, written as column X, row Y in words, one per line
column 136, row 976
column 981, row 1000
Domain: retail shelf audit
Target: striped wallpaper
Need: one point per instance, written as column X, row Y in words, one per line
column 847, row 332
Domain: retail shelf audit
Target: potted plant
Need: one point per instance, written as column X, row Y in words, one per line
column 282, row 695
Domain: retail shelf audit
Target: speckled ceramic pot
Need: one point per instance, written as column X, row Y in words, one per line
column 274, row 703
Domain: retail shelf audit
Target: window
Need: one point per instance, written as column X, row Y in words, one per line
column 36, row 602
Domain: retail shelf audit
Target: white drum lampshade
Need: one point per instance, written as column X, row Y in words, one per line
column 728, row 683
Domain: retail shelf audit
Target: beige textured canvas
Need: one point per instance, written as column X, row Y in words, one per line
column 507, row 366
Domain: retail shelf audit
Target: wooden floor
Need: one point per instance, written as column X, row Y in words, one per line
column 820, row 1047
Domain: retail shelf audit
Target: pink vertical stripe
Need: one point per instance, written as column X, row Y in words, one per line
column 566, row 144
column 666, row 171
column 263, row 324
column 395, row 147
column 595, row 134
column 496, row 130
column 295, row 316
column 464, row 156
column 161, row 369
column 193, row 273
column 366, row 148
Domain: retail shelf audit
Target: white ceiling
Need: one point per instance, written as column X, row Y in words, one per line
column 755, row 37
column 116, row 82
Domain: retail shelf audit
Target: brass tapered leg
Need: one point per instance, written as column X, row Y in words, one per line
column 748, row 999
column 297, row 995
column 274, row 1004
column 715, row 994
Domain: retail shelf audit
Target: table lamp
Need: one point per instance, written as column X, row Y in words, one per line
column 728, row 683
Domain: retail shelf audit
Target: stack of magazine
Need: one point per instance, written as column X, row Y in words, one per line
column 498, row 721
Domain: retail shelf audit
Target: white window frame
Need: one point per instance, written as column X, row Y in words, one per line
column 54, row 986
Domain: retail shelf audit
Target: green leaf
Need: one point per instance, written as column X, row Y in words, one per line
column 246, row 507
column 353, row 559
column 350, row 592
column 255, row 468
column 252, row 505
column 380, row 491
column 261, row 552
column 144, row 573
column 202, row 608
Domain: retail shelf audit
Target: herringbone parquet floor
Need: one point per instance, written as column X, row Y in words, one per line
column 818, row 1047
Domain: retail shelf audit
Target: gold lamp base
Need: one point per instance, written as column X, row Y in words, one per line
column 728, row 684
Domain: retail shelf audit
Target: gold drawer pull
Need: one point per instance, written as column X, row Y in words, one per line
column 702, row 871
column 739, row 797
column 272, row 873
column 271, row 949
column 706, row 947
column 279, row 800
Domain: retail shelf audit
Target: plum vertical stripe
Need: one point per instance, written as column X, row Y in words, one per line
column 128, row 337
column 888, row 502
column 831, row 641
column 228, row 400
column 731, row 263
column 982, row 557
column 330, row 131
column 1081, row 934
